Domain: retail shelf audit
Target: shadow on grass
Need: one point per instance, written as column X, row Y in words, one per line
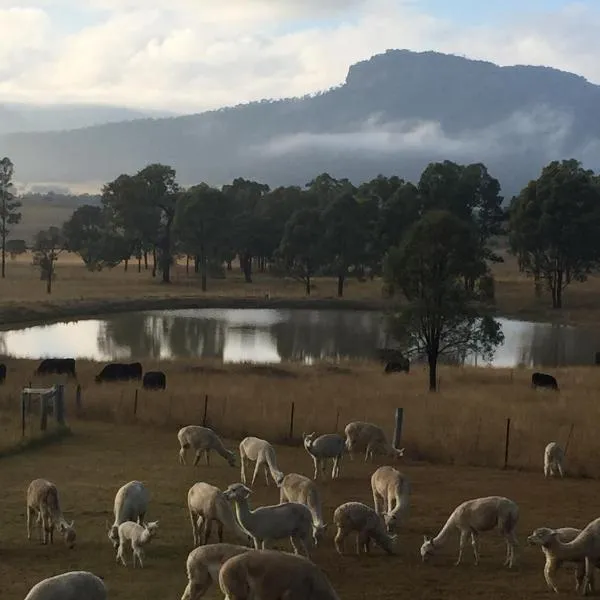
column 37, row 442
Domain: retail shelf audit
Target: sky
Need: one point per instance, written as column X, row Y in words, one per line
column 193, row 55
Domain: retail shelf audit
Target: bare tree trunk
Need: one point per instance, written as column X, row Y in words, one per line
column 432, row 360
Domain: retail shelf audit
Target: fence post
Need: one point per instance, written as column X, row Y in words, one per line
column 398, row 428
column 292, row 421
column 337, row 419
column 205, row 416
column 44, row 413
column 22, row 415
column 507, row 443
column 59, row 403
column 78, row 396
column 135, row 402
column 569, row 438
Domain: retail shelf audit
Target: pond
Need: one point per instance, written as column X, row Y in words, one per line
column 270, row 336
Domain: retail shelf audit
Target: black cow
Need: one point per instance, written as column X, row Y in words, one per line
column 397, row 366
column 2, row 372
column 58, row 366
column 543, row 380
column 154, row 380
column 120, row 372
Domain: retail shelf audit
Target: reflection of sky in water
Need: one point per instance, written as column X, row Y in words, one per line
column 252, row 335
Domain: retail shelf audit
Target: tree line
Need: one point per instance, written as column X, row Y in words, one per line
column 429, row 241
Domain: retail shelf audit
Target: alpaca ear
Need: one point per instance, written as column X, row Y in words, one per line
column 426, row 538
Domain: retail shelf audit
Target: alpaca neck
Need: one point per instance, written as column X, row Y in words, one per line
column 444, row 533
column 243, row 512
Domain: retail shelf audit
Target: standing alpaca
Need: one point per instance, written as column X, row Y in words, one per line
column 322, row 448
column 554, row 457
column 202, row 440
column 262, row 452
column 586, row 546
column 391, row 494
column 131, row 504
column 473, row 517
column 43, row 502
column 138, row 535
column 371, row 438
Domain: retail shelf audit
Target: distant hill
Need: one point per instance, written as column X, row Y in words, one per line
column 16, row 118
column 395, row 113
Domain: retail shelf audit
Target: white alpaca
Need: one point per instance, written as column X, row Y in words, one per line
column 202, row 440
column 131, row 504
column 554, row 457
column 207, row 503
column 301, row 489
column 138, row 535
column 371, row 438
column 272, row 575
column 73, row 585
column 262, row 452
column 544, row 537
column 368, row 525
column 585, row 546
column 203, row 565
column 391, row 495
column 473, row 517
column 322, row 448
column 266, row 523
column 43, row 503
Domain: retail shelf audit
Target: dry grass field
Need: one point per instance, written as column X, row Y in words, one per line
column 78, row 292
column 92, row 464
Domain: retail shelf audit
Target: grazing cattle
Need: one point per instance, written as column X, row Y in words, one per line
column 154, row 380
column 543, row 380
column 120, row 372
column 397, row 366
column 57, row 366
column 2, row 372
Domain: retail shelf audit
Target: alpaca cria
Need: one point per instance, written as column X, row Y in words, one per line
column 131, row 504
column 371, row 438
column 391, row 495
column 207, row 503
column 473, row 517
column 368, row 525
column 554, row 457
column 266, row 523
column 544, row 537
column 272, row 575
column 43, row 503
column 73, row 585
column 585, row 546
column 301, row 489
column 203, row 565
column 202, row 440
column 323, row 448
column 138, row 536
column 263, row 454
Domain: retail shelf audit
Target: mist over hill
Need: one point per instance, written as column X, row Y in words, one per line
column 395, row 113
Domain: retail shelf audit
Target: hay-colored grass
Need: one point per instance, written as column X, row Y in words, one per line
column 464, row 423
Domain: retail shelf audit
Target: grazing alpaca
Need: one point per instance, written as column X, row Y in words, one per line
column 272, row 575
column 356, row 516
column 202, row 440
column 554, row 457
column 586, row 546
column 544, row 537
column 391, row 494
column 473, row 517
column 203, row 565
column 207, row 503
column 369, row 437
column 73, row 585
column 43, row 502
column 262, row 452
column 322, row 448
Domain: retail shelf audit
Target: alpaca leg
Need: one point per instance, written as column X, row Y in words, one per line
column 335, row 472
column 266, row 470
column 362, row 542
column 324, row 463
column 299, row 546
column 197, row 457
column 220, row 531
column 338, row 540
column 182, row 452
column 208, row 530
column 257, row 543
column 587, row 580
column 475, row 548
column 316, row 463
column 195, row 525
column 549, row 571
column 243, row 468
column 207, row 452
column 256, row 467
column 120, row 554
column 579, row 576
column 377, row 503
column 367, row 452
column 461, row 546
column 29, row 516
column 560, row 470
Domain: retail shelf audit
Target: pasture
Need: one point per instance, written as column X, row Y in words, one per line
column 77, row 291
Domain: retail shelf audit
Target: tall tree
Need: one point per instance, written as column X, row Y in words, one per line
column 47, row 246
column 555, row 224
column 201, row 225
column 439, row 315
column 301, row 245
column 9, row 205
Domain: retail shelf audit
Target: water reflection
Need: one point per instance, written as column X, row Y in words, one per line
column 269, row 335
